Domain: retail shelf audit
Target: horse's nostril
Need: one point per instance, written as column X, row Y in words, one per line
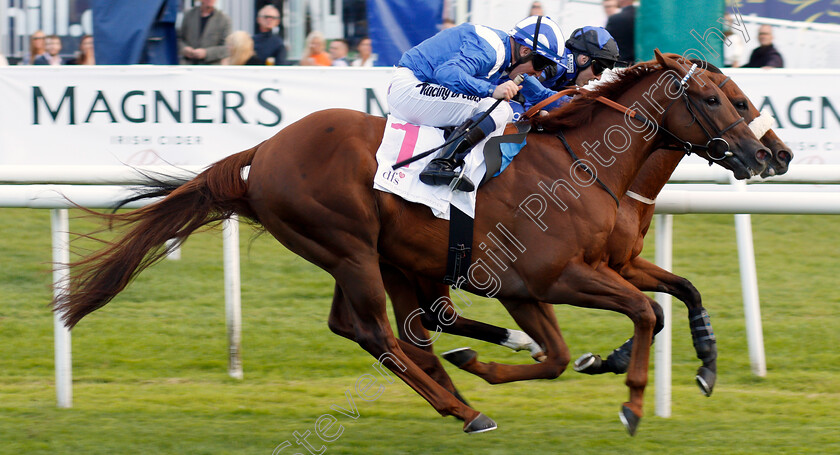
column 784, row 156
column 762, row 154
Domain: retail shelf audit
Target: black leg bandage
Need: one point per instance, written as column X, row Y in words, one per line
column 703, row 335
column 619, row 360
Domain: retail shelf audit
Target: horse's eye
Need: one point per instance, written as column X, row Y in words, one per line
column 741, row 106
column 712, row 101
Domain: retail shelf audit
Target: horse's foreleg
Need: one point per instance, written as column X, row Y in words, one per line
column 537, row 320
column 649, row 277
column 603, row 288
column 362, row 287
column 619, row 359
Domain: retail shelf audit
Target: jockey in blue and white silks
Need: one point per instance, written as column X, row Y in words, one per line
column 455, row 76
column 587, row 53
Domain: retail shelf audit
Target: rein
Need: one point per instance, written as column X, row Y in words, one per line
column 686, row 146
column 691, row 105
column 536, row 108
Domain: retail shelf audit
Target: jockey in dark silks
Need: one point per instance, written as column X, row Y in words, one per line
column 588, row 52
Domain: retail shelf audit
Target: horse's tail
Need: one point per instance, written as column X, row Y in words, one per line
column 213, row 195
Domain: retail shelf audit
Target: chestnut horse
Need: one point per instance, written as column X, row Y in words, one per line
column 625, row 244
column 311, row 187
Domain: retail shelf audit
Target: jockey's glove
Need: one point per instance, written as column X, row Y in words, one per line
column 534, row 92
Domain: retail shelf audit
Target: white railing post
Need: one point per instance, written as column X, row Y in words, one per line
column 749, row 288
column 664, row 255
column 60, row 227
column 233, row 297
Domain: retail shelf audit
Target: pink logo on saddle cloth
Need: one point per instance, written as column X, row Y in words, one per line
column 401, row 141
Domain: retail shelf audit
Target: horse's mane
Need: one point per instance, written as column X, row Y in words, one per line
column 580, row 110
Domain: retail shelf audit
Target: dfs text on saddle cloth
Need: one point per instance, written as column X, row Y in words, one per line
column 401, row 141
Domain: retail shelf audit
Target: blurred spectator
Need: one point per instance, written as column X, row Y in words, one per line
column 313, row 52
column 37, row 46
column 268, row 46
column 447, row 23
column 536, row 9
column 765, row 55
column 621, row 26
column 365, row 49
column 85, row 56
column 240, row 48
column 734, row 54
column 610, row 7
column 338, row 52
column 201, row 39
column 3, row 61
column 51, row 57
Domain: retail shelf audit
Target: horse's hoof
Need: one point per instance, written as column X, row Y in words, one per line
column 459, row 357
column 629, row 419
column 480, row 424
column 589, row 363
column 706, row 380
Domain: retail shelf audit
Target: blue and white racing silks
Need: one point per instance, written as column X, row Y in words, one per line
column 468, row 59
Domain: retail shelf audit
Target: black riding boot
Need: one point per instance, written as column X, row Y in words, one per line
column 441, row 170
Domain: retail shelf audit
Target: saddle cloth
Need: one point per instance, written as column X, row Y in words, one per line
column 402, row 140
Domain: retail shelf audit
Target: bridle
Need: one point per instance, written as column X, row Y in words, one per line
column 714, row 134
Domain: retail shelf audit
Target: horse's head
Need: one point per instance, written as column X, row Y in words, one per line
column 700, row 113
column 782, row 155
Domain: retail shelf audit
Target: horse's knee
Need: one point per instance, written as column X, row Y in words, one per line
column 691, row 296
column 660, row 317
column 643, row 315
column 556, row 364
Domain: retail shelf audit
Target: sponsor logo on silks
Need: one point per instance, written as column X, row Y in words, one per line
column 393, row 176
column 518, row 110
column 570, row 63
column 437, row 91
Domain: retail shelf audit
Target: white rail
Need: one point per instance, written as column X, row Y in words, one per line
column 100, row 186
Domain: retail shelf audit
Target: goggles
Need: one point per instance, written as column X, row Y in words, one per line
column 540, row 63
column 598, row 66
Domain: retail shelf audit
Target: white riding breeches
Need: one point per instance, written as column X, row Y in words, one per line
column 428, row 104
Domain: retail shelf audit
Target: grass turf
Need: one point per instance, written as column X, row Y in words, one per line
column 150, row 368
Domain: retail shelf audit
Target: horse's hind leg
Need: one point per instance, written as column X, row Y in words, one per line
column 537, row 320
column 361, row 283
column 414, row 338
column 421, row 305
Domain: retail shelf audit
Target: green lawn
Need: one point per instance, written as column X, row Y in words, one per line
column 150, row 368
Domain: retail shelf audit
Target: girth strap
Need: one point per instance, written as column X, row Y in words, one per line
column 459, row 254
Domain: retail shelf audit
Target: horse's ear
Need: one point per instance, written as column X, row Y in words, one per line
column 666, row 61
column 659, row 57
